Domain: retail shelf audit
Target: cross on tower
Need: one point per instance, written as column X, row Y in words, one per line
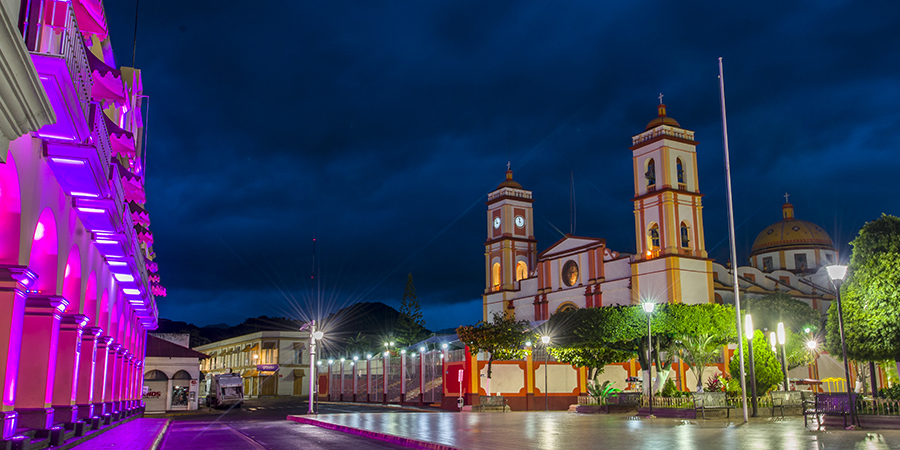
column 507, row 165
column 786, row 195
column 660, row 98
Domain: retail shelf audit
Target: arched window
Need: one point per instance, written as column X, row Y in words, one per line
column 495, row 276
column 155, row 375
column 521, row 270
column 680, row 170
column 718, row 299
column 654, row 237
column 567, row 306
column 685, row 235
column 651, row 173
column 181, row 375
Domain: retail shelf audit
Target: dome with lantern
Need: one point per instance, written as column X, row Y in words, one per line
column 792, row 244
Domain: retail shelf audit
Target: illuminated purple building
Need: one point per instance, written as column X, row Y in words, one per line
column 77, row 277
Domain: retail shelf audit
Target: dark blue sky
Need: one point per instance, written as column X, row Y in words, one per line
column 378, row 128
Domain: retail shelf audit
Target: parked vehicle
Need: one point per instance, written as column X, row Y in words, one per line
column 226, row 389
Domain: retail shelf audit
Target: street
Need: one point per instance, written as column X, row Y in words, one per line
column 261, row 424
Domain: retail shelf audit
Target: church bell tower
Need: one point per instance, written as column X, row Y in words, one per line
column 510, row 252
column 671, row 263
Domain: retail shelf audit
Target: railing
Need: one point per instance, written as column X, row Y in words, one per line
column 50, row 28
column 879, row 406
column 669, row 402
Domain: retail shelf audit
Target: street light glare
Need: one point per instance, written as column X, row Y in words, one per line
column 648, row 307
column 545, row 339
column 318, row 335
column 528, row 343
column 781, row 336
column 811, row 344
column 421, row 349
column 444, row 346
column 836, row 272
column 772, row 340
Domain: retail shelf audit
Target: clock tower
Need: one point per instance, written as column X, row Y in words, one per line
column 510, row 251
column 671, row 263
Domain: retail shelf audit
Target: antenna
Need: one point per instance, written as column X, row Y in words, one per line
column 137, row 6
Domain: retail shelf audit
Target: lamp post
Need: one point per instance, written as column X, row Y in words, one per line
column 782, row 340
column 546, row 341
column 314, row 335
column 648, row 308
column 837, row 274
column 772, row 341
column 748, row 326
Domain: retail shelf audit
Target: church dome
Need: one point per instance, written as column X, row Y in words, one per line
column 791, row 233
column 662, row 119
column 509, row 182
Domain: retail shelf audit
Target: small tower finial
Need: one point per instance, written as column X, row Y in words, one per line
column 508, row 165
column 660, row 98
column 786, row 195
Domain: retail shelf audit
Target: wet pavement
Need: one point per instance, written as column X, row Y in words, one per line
column 555, row 430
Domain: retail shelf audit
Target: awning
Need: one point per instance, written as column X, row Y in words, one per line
column 251, row 373
column 157, row 290
column 90, row 17
column 254, row 348
column 299, row 373
column 152, row 266
column 269, row 345
column 121, row 141
column 132, row 184
column 139, row 214
column 107, row 81
column 143, row 234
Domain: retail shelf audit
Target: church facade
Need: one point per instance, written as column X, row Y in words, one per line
column 670, row 265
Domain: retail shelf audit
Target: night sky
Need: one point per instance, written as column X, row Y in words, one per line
column 378, row 128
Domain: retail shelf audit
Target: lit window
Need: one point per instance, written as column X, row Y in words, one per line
column 654, row 237
column 521, row 270
column 685, row 235
column 495, row 276
column 680, row 169
column 767, row 264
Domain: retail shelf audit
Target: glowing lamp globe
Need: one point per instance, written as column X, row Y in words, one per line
column 545, row 339
column 836, row 272
column 648, row 307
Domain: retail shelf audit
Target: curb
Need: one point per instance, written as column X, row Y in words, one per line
column 404, row 441
column 160, row 435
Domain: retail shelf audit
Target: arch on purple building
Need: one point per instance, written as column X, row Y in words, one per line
column 45, row 252
column 90, row 299
column 72, row 280
column 10, row 212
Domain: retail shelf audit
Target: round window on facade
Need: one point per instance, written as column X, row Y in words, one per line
column 570, row 273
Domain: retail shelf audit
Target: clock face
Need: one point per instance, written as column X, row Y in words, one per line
column 497, row 222
column 520, row 221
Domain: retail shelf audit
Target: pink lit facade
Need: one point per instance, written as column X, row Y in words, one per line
column 77, row 279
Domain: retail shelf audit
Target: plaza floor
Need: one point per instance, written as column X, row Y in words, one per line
column 557, row 430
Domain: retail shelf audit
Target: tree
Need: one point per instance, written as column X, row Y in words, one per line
column 410, row 324
column 870, row 297
column 571, row 347
column 767, row 368
column 701, row 331
column 357, row 345
column 776, row 307
column 502, row 339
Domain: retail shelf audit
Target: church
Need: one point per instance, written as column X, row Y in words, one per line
column 670, row 265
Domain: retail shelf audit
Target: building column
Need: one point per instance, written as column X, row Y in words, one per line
column 40, row 340
column 112, row 365
column 86, row 372
column 65, row 385
column 101, row 372
column 14, row 280
column 139, row 384
column 119, row 377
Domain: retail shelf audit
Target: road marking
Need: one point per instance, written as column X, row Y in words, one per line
column 243, row 436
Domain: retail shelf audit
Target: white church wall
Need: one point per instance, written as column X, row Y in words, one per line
column 506, row 377
column 617, row 269
column 694, row 282
column 561, row 378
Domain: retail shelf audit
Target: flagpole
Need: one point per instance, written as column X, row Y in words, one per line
column 737, row 298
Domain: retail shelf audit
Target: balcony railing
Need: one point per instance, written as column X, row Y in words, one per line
column 50, row 28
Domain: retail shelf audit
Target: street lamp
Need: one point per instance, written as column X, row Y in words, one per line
column 772, row 340
column 314, row 335
column 782, row 339
column 648, row 308
column 546, row 341
column 748, row 326
column 837, row 274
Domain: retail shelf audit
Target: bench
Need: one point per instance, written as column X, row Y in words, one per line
column 827, row 404
column 782, row 399
column 704, row 401
column 625, row 398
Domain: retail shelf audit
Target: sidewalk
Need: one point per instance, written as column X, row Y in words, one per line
column 553, row 430
column 137, row 434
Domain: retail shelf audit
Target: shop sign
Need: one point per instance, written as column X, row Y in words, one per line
column 267, row 367
column 153, row 394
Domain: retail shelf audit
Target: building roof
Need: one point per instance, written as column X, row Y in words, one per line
column 161, row 348
column 509, row 182
column 791, row 233
column 662, row 119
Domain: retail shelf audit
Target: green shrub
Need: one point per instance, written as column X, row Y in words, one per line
column 892, row 392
